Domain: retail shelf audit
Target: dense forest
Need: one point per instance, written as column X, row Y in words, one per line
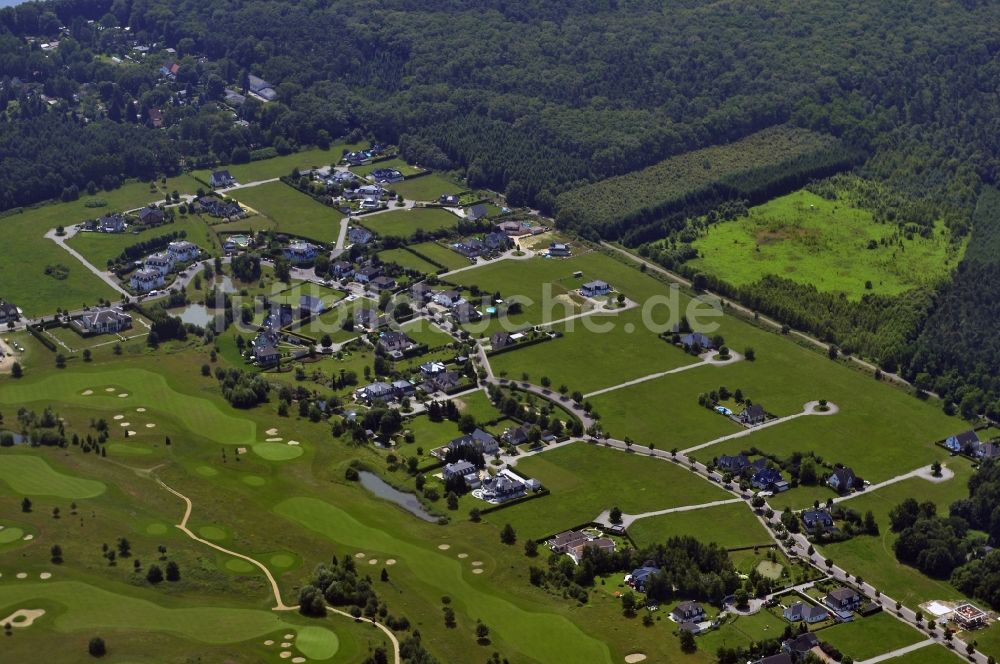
column 537, row 99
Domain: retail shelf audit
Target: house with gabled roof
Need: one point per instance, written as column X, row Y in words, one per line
column 734, row 464
column 183, row 251
column 752, row 415
column 395, row 342
column 640, row 576
column 366, row 274
column 386, row 175
column 162, row 262
column 261, row 88
column 807, row 613
column 358, row 235
column 697, row 340
column 476, row 212
column 817, row 521
column 103, row 321
column 8, row 312
column 220, row 179
column 300, row 252
column 769, row 479
column 843, row 480
column 145, row 280
column 151, row 215
column 688, row 612
column 111, row 223
column 479, row 440
column 595, row 288
column 843, row 601
column 967, row 441
column 368, row 318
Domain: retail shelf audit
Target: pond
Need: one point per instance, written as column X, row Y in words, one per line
column 407, row 501
column 195, row 314
column 16, row 437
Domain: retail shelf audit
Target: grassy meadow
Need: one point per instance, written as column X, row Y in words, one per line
column 292, row 211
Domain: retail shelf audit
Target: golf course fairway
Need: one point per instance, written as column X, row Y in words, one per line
column 32, row 476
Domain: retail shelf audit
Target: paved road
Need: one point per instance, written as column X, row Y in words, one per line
column 103, row 275
column 808, row 409
column 924, row 473
column 707, row 359
column 628, row 519
column 898, row 652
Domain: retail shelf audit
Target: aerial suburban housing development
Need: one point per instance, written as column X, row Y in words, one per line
column 508, row 332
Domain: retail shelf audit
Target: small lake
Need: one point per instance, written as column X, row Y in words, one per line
column 195, row 314
column 407, row 501
column 18, row 438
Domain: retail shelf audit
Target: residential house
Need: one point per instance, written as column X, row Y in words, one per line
column 376, row 392
column 151, row 215
column 470, row 248
column 370, row 191
column 576, row 552
column 478, row 439
column 358, row 235
column 145, row 280
column 111, row 223
column 261, row 88
column 235, row 98
column 780, row 658
column 265, row 353
column 448, row 298
column 817, row 521
column 990, row 450
column 967, row 441
column 443, row 381
column 155, row 118
column 403, row 388
column 371, row 203
column 103, row 321
column 300, row 252
column 280, row 316
column 216, row 207
column 500, row 340
column 162, row 262
column 842, row 600
column 183, row 251
column 688, row 612
column 752, row 415
column 501, row 488
column 395, row 342
column 342, row 270
column 463, row 469
column 562, row 542
column 310, row 305
column 366, row 274
column 513, row 228
column 969, row 617
column 807, row 613
column 358, row 158
column 466, row 313
column 640, row 576
column 383, row 282
column 8, row 312
column 734, row 464
column 476, row 212
column 367, row 318
column 843, row 480
column 428, row 369
column 496, row 242
column 769, row 479
column 697, row 340
column 386, row 175
column 800, row 646
column 515, row 436
column 595, row 288
column 421, row 292
column 558, row 250
column 448, row 200
column 220, row 179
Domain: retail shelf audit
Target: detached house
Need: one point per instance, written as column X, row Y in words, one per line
column 817, row 521
column 843, row 480
column 151, row 215
column 448, row 298
column 220, row 179
column 367, row 273
column 800, row 646
column 111, row 223
column 145, row 280
column 515, row 436
column 261, row 88
column 366, row 318
column 734, row 464
column 697, row 340
column 387, row 175
column 466, row 313
column 501, row 488
column 383, row 282
column 500, row 340
column 395, row 343
column 595, row 288
column 162, row 262
column 104, row 321
column 479, row 440
column 769, row 479
column 183, row 251
column 8, row 312
column 843, row 601
column 358, row 235
column 686, row 612
column 471, row 248
column 300, row 252
column 967, row 441
column 342, row 270
column 807, row 613
column 558, row 249
column 640, row 576
column 476, row 212
column 752, row 415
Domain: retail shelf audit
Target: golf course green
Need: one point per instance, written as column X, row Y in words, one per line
column 317, row 642
column 32, row 476
column 277, row 451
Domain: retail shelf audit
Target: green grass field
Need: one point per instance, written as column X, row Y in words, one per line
column 404, row 223
column 423, row 332
column 396, row 163
column 871, row 636
column 292, row 211
column 729, row 526
column 99, row 248
column 742, row 632
column 585, row 479
column 408, row 260
column 812, row 240
column 24, row 252
column 441, row 254
column 428, row 187
column 31, row 476
column 933, row 654
column 266, row 169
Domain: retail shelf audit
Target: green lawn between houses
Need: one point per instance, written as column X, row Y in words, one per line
column 396, row 163
column 864, row 638
column 292, row 211
column 408, row 260
column 441, row 254
column 275, row 167
column 404, row 223
column 99, row 248
column 428, row 187
column 729, row 526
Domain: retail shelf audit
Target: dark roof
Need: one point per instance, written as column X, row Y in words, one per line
column 843, row 594
column 767, row 476
column 803, row 642
column 845, row 476
column 696, row 339
column 735, row 462
column 780, row 658
column 967, row 438
column 477, row 211
column 753, row 411
column 813, row 517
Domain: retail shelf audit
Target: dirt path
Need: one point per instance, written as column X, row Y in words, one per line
column 810, row 408
column 707, row 359
column 279, row 602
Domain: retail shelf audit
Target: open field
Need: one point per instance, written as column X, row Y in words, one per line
column 424, row 332
column 742, row 632
column 428, row 187
column 266, row 169
column 729, row 526
column 932, row 654
column 407, row 260
column 99, row 248
column 25, row 252
column 585, row 479
column 441, row 254
column 812, row 240
column 31, row 476
column 871, row 636
column 396, row 163
column 404, row 223
column 292, row 211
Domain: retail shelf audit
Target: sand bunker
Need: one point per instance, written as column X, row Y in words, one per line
column 241, row 450
column 635, row 658
column 132, row 433
column 444, row 547
column 359, row 555
column 289, row 637
column 271, row 432
column 285, row 654
column 373, row 561
column 22, row 575
column 477, row 563
column 293, row 442
column 119, row 417
column 463, row 556
column 28, row 538
column 478, row 570
column 45, row 575
column 140, row 410
column 391, row 561
column 286, row 644
column 23, row 617
column 269, row 642
column 109, row 389
column 274, row 440
column 87, row 393
column 125, row 424
column 150, row 425
column 123, row 395
column 298, row 660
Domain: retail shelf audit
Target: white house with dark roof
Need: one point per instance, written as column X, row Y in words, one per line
column 595, row 288
column 300, row 252
column 220, row 179
column 145, row 280
column 111, row 223
column 162, row 262
column 104, row 321
column 843, row 480
column 183, row 251
column 8, row 312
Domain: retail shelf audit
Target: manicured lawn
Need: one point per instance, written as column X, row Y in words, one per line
column 292, row 211
column 743, row 631
column 542, row 636
column 812, row 240
column 404, row 223
column 440, row 254
column 988, row 640
column 32, row 476
column 25, row 253
column 932, row 654
column 480, row 407
column 396, row 163
column 407, row 259
column 428, row 187
column 585, row 479
column 424, row 332
column 283, row 165
column 729, row 526
column 99, row 248
column 867, row 637
column 293, row 295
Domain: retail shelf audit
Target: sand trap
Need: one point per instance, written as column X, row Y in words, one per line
column 23, row 617
column 373, row 561
column 391, row 561
column 150, row 426
column 298, row 660
column 119, row 417
column 109, row 389
column 28, row 538
column 269, row 642
column 140, row 410
column 271, row 432
column 293, row 442
column 289, row 637
column 45, row 575
column 22, row 575
column 125, row 424
column 286, row 644
column 132, row 433
column 274, row 440
column 359, row 555
column 478, row 570
column 477, row 563
column 285, row 654
column 635, row 658
column 463, row 556
column 123, row 395
column 241, row 450
column 87, row 393
column 444, row 547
